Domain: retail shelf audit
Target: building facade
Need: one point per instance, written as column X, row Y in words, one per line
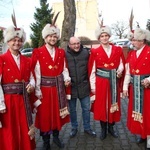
column 86, row 17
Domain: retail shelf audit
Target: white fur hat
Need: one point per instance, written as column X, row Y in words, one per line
column 139, row 34
column 103, row 29
column 130, row 35
column 12, row 32
column 49, row 30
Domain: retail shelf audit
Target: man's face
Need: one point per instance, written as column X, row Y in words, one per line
column 104, row 38
column 74, row 44
column 138, row 44
column 15, row 44
column 51, row 39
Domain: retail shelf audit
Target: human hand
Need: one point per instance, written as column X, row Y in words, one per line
column 67, row 83
column 125, row 94
column 119, row 74
column 31, row 132
column 3, row 111
column 145, row 83
column 29, row 88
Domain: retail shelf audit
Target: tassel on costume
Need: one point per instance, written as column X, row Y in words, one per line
column 114, row 107
column 137, row 116
column 64, row 112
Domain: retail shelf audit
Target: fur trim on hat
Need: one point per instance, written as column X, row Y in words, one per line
column 139, row 34
column 130, row 35
column 12, row 32
column 49, row 30
column 103, row 29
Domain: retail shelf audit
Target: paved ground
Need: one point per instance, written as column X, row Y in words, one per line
column 126, row 140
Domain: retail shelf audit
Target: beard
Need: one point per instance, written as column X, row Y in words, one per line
column 51, row 43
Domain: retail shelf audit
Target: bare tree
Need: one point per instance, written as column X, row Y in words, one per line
column 69, row 22
column 119, row 29
column 4, row 4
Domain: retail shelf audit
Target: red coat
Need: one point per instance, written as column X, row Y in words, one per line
column 14, row 131
column 48, row 115
column 141, row 64
column 102, row 103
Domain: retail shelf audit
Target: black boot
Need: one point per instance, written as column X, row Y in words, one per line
column 103, row 130
column 140, row 140
column 147, row 145
column 111, row 130
column 46, row 142
column 56, row 139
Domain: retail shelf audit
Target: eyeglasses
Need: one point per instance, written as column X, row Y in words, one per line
column 75, row 44
column 134, row 40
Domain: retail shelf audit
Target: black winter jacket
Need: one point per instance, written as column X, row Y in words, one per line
column 78, row 69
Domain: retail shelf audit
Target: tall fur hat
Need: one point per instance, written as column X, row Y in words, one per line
column 138, row 33
column 50, row 29
column 13, row 31
column 131, row 32
column 102, row 29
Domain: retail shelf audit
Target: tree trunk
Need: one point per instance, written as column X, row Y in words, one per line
column 69, row 22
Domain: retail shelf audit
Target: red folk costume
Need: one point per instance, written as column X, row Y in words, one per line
column 48, row 115
column 138, row 121
column 52, row 76
column 102, row 105
column 14, row 131
column 135, row 84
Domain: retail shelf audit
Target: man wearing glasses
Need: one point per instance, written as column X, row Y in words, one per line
column 136, row 84
column 77, row 58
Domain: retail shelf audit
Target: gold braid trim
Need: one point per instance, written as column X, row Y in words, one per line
column 64, row 112
column 137, row 116
column 114, row 107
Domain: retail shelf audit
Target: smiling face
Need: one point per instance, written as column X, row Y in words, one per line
column 51, row 40
column 104, row 38
column 15, row 44
column 74, row 44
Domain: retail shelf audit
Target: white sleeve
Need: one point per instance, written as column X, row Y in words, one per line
column 38, row 79
column 2, row 101
column 0, row 124
column 148, row 78
column 93, row 77
column 32, row 81
column 66, row 73
column 121, row 67
column 127, row 78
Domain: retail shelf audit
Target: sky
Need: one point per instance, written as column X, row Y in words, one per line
column 112, row 11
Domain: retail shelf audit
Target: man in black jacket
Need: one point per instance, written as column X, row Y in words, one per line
column 77, row 58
